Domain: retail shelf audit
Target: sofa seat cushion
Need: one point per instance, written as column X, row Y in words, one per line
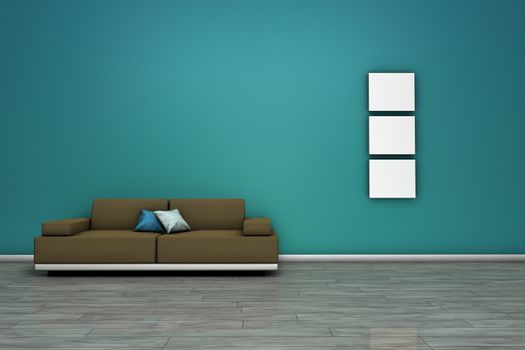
column 97, row 246
column 216, row 246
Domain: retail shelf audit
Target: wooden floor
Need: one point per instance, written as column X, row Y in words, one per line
column 303, row 306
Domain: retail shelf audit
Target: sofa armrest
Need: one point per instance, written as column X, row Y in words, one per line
column 66, row 227
column 257, row 227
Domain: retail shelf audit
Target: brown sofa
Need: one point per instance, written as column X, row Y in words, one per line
column 221, row 238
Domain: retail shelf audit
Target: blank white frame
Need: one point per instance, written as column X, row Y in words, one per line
column 392, row 178
column 392, row 135
column 391, row 92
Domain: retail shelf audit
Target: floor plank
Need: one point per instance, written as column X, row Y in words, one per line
column 376, row 306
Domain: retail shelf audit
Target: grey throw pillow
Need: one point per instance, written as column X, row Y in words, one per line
column 172, row 221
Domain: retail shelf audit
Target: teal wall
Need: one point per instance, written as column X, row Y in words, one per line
column 265, row 100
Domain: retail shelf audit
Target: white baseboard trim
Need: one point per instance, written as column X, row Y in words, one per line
column 155, row 267
column 360, row 258
column 16, row 258
column 401, row 257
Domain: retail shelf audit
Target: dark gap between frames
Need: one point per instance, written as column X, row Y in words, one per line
column 392, row 156
column 392, row 114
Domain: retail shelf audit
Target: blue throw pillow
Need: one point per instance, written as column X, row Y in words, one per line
column 148, row 222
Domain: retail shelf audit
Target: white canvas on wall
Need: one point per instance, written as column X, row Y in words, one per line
column 392, row 178
column 392, row 135
column 391, row 92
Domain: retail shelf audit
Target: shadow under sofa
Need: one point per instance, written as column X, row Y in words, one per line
column 221, row 239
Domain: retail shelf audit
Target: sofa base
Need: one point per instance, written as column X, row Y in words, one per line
column 156, row 267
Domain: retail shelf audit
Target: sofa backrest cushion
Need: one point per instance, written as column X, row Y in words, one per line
column 121, row 214
column 211, row 214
